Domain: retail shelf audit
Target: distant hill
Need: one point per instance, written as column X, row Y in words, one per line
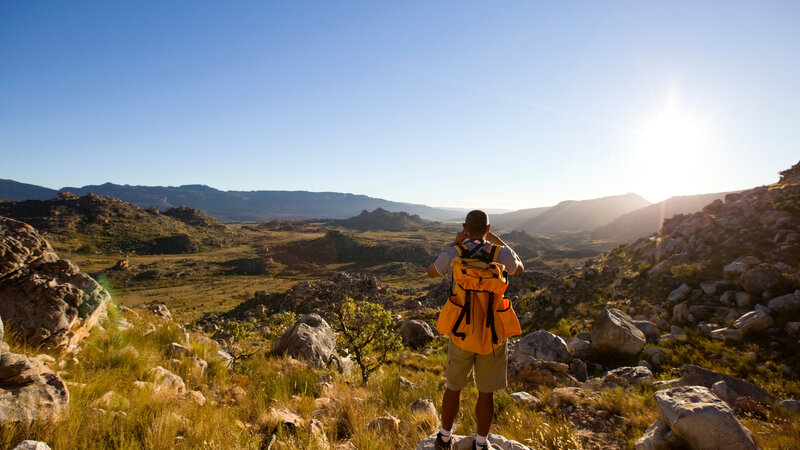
column 645, row 221
column 109, row 225
column 337, row 247
column 515, row 219
column 583, row 215
column 238, row 206
column 16, row 191
column 383, row 220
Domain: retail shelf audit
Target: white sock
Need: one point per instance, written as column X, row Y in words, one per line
column 445, row 434
column 480, row 440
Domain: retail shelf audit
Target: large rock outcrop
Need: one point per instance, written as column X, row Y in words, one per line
column 416, row 333
column 542, row 345
column 615, row 332
column 694, row 416
column 46, row 299
column 29, row 390
column 310, row 339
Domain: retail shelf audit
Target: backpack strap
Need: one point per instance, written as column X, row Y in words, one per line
column 465, row 314
column 490, row 318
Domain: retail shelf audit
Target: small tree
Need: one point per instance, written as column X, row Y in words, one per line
column 243, row 346
column 365, row 330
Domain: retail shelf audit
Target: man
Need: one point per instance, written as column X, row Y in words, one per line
column 490, row 370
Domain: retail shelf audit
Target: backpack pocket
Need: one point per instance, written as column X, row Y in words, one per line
column 506, row 321
column 448, row 315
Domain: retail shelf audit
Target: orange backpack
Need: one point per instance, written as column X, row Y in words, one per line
column 478, row 316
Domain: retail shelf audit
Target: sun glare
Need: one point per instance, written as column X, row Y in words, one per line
column 671, row 150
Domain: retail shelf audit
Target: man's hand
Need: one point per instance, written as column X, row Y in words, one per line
column 461, row 236
column 491, row 237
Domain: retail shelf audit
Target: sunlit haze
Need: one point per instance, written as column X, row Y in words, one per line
column 452, row 104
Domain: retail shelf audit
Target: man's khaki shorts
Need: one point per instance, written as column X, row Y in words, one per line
column 490, row 370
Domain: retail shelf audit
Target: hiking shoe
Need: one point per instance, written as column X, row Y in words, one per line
column 442, row 445
column 475, row 446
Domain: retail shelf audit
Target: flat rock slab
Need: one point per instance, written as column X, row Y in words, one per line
column 496, row 442
column 695, row 416
column 692, row 375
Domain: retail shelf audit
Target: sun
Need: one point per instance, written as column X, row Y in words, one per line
column 672, row 147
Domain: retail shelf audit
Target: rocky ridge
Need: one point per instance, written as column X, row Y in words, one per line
column 110, row 225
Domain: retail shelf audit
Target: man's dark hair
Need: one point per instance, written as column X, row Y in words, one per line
column 476, row 223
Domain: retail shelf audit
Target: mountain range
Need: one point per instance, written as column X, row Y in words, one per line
column 620, row 218
column 234, row 206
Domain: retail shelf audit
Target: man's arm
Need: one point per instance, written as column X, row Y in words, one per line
column 494, row 239
column 432, row 271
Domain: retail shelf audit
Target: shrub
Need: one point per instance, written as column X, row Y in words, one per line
column 365, row 330
column 561, row 328
column 690, row 273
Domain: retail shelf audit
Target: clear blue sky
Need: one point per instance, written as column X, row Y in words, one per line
column 468, row 104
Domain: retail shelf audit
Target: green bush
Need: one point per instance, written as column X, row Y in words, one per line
column 365, row 330
column 689, row 273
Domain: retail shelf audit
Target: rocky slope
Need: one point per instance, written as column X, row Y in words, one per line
column 648, row 220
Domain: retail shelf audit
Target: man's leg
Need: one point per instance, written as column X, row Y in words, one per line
column 450, row 403
column 484, row 412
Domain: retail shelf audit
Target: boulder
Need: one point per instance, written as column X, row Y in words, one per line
column 48, row 300
column 310, row 339
column 622, row 377
column 754, row 321
column 542, row 345
column 32, row 445
column 680, row 313
column 615, row 332
column 678, row 333
column 727, row 334
column 734, row 270
column 175, row 350
column 760, row 279
column 285, row 418
column 30, row 391
column 524, row 398
column 160, row 310
column 416, row 333
column 695, row 416
column 197, row 366
column 316, row 435
column 791, row 405
column 424, row 407
column 535, row 372
column 656, row 355
column 651, row 332
column 784, row 304
column 692, row 375
column 385, row 424
column 679, row 293
column 578, row 369
column 196, row 397
column 709, row 287
column 166, row 381
column 496, row 442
